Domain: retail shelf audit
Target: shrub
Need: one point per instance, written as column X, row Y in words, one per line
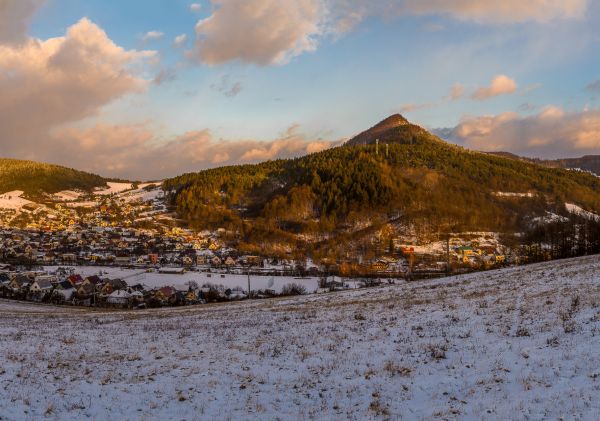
column 293, row 289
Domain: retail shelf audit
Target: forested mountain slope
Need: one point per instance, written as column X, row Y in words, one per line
column 412, row 178
column 35, row 177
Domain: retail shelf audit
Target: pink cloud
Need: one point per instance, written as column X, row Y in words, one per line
column 61, row 80
column 500, row 85
column 550, row 133
column 137, row 152
column 263, row 32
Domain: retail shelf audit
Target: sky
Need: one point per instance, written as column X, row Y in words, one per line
column 155, row 88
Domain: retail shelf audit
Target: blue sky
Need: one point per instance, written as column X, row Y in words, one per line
column 317, row 70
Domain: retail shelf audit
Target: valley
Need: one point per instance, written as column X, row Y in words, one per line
column 393, row 203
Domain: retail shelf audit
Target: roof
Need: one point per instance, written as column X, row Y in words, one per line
column 44, row 283
column 65, row 285
column 75, row 279
column 120, row 293
column 167, row 291
column 94, row 279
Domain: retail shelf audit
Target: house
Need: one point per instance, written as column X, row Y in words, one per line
column 191, row 297
column 165, row 294
column 253, row 260
column 69, row 257
column 64, row 290
column 216, row 261
column 122, row 259
column 230, row 261
column 75, row 280
column 465, row 250
column 112, row 285
column 119, row 298
column 20, row 281
column 4, row 279
column 380, row 266
column 41, row 285
column 86, row 289
column 94, row 280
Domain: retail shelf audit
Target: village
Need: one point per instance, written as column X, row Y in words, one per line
column 45, row 245
column 123, row 268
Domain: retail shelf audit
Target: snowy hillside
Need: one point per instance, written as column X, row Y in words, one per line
column 13, row 200
column 510, row 344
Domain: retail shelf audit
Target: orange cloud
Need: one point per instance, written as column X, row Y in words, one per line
column 60, row 80
column 15, row 16
column 263, row 32
column 271, row 32
column 136, row 152
column 500, row 85
column 550, row 133
column 456, row 92
column 504, row 11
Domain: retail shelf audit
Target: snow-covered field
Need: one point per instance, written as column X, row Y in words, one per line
column 518, row 343
column 228, row 280
column 67, row 195
column 13, row 200
column 114, row 188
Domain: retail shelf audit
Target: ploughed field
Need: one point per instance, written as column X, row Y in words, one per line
column 508, row 344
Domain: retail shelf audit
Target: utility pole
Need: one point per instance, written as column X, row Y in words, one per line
column 387, row 151
column 248, row 281
column 376, row 146
column 448, row 254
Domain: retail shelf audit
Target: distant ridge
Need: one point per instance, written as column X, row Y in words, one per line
column 589, row 163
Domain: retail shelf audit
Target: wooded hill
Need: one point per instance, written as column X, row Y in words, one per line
column 35, row 177
column 411, row 179
column 589, row 163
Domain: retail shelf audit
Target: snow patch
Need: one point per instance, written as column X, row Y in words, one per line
column 114, row 188
column 13, row 200
column 576, row 210
column 513, row 194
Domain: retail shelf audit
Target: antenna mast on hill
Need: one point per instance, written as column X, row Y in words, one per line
column 376, row 146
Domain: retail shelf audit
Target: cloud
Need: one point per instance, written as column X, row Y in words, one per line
column 136, row 152
column 195, row 7
column 15, row 16
column 261, row 32
column 526, row 106
column 551, row 133
column 152, row 35
column 164, row 76
column 593, row 87
column 408, row 108
column 500, row 85
column 227, row 87
column 457, row 91
column 48, row 83
column 272, row 32
column 499, row 12
column 180, row 40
